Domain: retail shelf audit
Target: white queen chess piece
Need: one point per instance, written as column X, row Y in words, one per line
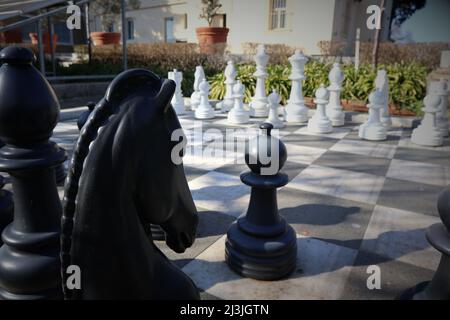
column 427, row 133
column 440, row 88
column 296, row 111
column 319, row 123
column 373, row 129
column 238, row 115
column 199, row 76
column 334, row 107
column 230, row 81
column 274, row 104
column 204, row 109
column 382, row 84
column 177, row 100
column 259, row 105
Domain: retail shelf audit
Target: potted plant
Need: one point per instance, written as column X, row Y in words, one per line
column 109, row 10
column 211, row 39
column 45, row 37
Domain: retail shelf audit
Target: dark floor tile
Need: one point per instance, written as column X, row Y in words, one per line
column 354, row 162
column 339, row 221
column 410, row 196
column 423, row 155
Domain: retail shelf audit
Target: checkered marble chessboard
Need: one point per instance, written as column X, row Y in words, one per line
column 352, row 203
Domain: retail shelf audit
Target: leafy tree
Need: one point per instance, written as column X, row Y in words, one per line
column 404, row 9
column 209, row 10
column 109, row 9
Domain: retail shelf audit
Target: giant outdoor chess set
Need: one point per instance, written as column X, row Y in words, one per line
column 359, row 194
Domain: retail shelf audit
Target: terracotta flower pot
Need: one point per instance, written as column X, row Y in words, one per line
column 212, row 40
column 46, row 39
column 395, row 111
column 11, row 36
column 104, row 38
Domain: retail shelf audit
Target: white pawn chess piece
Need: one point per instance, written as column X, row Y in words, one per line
column 230, row 81
column 199, row 76
column 259, row 104
column 382, row 84
column 373, row 129
column 296, row 110
column 177, row 100
column 319, row 122
column 204, row 109
column 274, row 104
column 237, row 114
column 440, row 88
column 334, row 107
column 427, row 133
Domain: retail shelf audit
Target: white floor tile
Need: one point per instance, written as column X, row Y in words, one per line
column 419, row 172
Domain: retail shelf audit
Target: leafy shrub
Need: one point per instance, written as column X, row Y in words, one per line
column 407, row 82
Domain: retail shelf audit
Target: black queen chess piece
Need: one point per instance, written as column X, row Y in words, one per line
column 29, row 110
column 438, row 235
column 261, row 245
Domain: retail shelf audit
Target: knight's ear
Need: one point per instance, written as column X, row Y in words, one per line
column 165, row 94
column 129, row 81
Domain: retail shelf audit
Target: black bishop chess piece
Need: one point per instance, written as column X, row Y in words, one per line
column 438, row 235
column 261, row 245
column 29, row 257
column 6, row 205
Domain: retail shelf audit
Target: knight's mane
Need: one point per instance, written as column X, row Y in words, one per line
column 98, row 118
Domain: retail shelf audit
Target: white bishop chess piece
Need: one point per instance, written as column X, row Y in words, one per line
column 373, row 129
column 427, row 133
column 230, row 81
column 296, row 110
column 199, row 76
column 274, row 104
column 259, row 104
column 382, row 84
column 204, row 109
column 238, row 115
column 177, row 100
column 334, row 107
column 440, row 88
column 319, row 123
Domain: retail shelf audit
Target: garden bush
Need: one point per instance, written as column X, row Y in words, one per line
column 407, row 82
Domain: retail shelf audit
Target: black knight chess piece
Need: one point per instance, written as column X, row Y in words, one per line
column 122, row 179
column 438, row 235
column 156, row 232
column 29, row 110
column 261, row 245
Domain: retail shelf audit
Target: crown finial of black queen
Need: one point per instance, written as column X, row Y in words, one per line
column 261, row 245
column 29, row 111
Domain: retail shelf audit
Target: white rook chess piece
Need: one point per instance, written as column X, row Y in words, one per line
column 440, row 88
column 274, row 104
column 334, row 107
column 230, row 81
column 177, row 100
column 259, row 104
column 382, row 84
column 199, row 77
column 296, row 111
column 319, row 123
column 238, row 115
column 373, row 129
column 427, row 133
column 204, row 109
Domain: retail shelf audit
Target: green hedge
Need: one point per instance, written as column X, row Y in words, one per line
column 407, row 82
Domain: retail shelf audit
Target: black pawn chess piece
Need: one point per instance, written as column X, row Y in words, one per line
column 261, row 245
column 438, row 235
column 29, row 257
column 85, row 115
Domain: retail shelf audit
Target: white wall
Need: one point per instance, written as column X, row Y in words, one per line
column 308, row 21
